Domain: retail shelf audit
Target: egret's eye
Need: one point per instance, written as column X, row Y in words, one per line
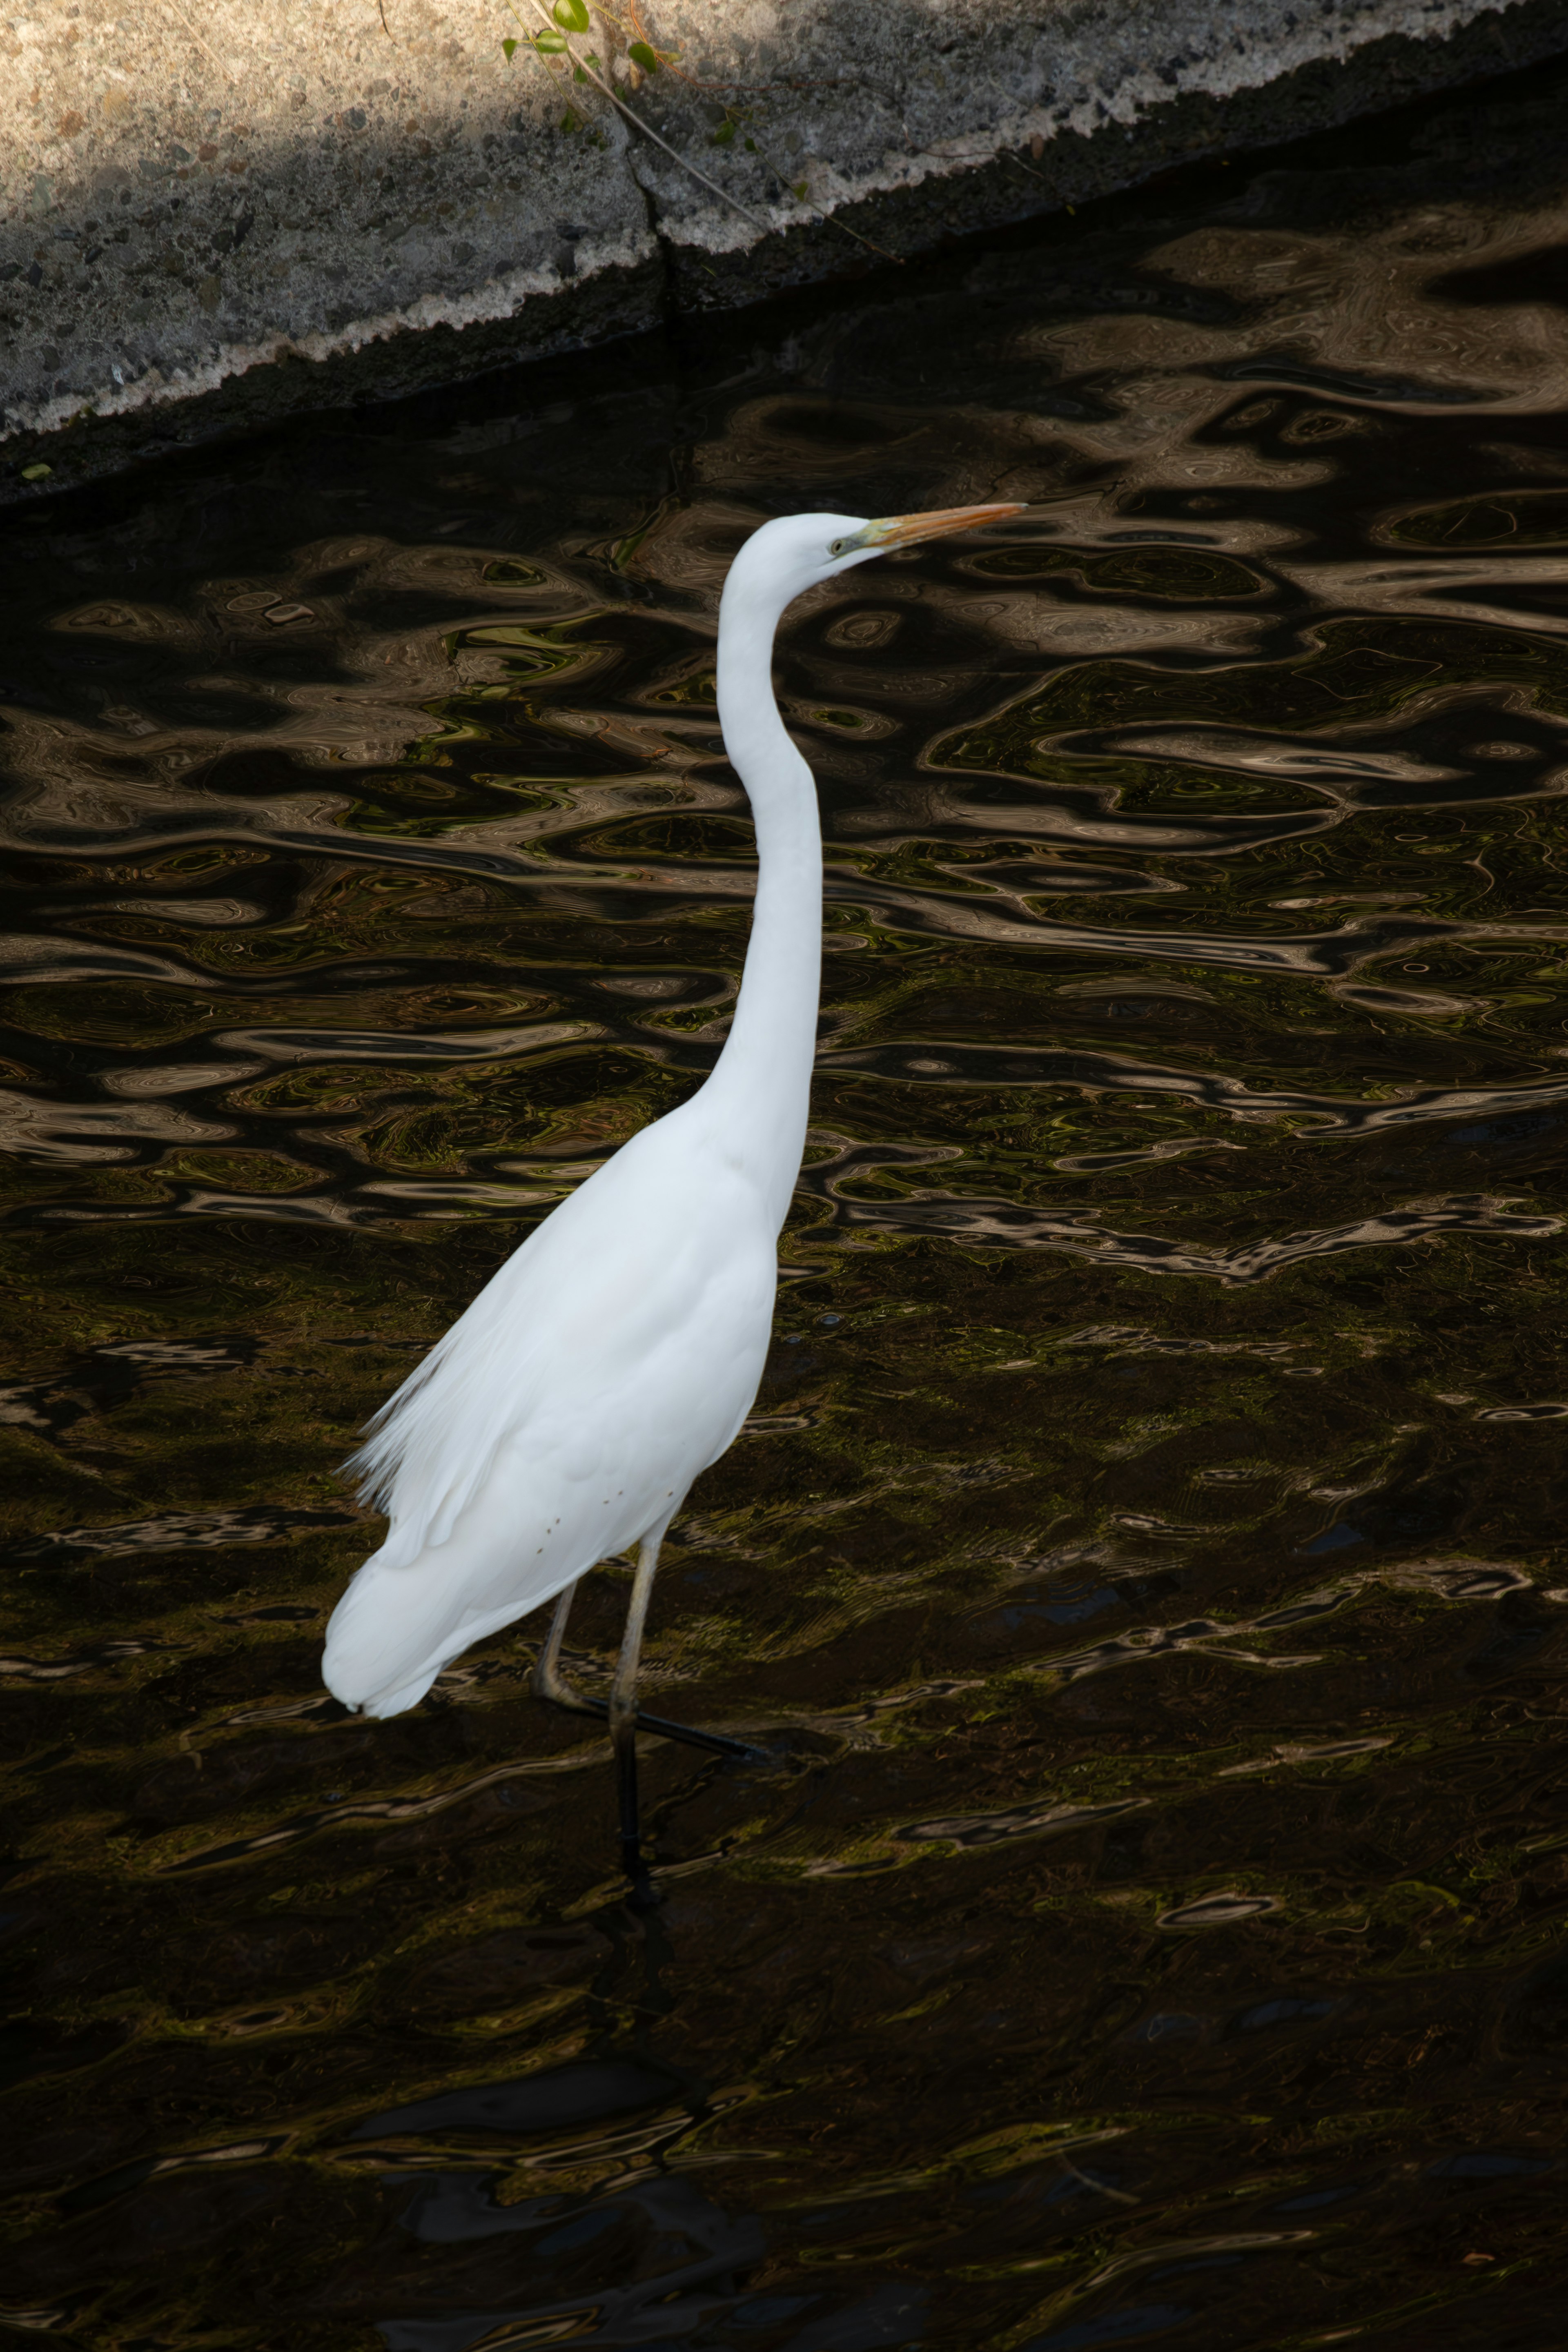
column 838, row 547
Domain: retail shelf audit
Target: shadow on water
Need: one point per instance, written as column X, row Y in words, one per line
column 1144, row 1562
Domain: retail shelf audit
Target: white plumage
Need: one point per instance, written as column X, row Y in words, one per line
column 616, row 1353
column 566, row 1414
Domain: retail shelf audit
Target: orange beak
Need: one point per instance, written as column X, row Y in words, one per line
column 904, row 531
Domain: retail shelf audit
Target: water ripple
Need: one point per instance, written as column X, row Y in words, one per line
column 1144, row 1564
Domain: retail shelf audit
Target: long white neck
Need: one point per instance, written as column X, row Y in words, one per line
column 761, row 1084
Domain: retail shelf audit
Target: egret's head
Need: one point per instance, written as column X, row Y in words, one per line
column 791, row 554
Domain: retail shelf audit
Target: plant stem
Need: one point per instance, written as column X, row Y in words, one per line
column 639, row 124
column 179, row 14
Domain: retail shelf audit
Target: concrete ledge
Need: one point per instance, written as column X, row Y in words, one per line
column 211, row 220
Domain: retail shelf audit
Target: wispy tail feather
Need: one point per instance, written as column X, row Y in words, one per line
column 427, row 1452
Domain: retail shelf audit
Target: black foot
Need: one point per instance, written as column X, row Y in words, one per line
column 657, row 1727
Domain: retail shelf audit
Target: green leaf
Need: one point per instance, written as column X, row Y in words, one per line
column 641, row 55
column 549, row 45
column 35, row 473
column 571, row 15
column 509, row 49
column 724, row 134
column 750, row 146
column 797, row 188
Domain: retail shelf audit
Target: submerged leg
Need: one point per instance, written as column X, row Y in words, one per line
column 623, row 1714
column 550, row 1683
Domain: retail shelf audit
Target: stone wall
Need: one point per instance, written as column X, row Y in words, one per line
column 212, row 211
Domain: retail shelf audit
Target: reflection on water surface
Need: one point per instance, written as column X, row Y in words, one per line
column 1145, row 1558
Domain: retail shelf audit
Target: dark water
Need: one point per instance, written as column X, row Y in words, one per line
column 1147, row 1558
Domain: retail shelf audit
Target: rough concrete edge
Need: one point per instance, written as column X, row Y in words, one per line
column 1230, row 72
column 1230, row 61
column 447, row 340
column 498, row 299
column 1192, row 127
column 591, row 314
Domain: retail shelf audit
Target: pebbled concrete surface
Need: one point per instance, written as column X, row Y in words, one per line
column 212, row 211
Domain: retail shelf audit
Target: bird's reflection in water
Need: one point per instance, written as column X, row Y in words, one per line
column 684, row 2259
column 649, row 2258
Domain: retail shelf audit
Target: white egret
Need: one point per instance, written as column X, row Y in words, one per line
column 616, row 1353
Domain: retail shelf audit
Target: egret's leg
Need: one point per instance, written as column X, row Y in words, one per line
column 549, row 1683
column 623, row 1713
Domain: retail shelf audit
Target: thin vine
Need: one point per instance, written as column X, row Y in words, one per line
column 567, row 17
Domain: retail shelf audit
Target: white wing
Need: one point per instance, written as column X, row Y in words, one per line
column 563, row 1416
